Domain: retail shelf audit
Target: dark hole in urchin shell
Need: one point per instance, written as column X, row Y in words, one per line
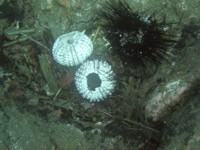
column 93, row 81
column 137, row 39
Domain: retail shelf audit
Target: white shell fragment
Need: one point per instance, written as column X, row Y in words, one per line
column 72, row 48
column 104, row 73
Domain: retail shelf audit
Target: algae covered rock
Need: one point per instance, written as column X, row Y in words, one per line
column 26, row 132
column 66, row 137
column 182, row 130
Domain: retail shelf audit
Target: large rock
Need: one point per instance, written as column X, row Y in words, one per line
column 24, row 131
column 182, row 130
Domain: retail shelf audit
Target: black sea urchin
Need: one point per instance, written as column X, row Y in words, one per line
column 137, row 39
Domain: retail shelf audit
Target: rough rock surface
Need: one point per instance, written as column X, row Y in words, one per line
column 24, row 131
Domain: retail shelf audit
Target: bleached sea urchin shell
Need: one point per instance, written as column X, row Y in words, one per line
column 72, row 48
column 95, row 80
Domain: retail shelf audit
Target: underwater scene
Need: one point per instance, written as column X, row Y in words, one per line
column 99, row 75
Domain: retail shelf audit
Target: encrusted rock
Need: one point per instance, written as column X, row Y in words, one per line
column 165, row 98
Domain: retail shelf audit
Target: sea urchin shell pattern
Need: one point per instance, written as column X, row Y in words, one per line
column 101, row 70
column 72, row 48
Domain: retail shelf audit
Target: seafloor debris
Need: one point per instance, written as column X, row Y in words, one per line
column 48, row 74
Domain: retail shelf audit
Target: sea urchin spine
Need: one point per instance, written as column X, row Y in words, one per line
column 137, row 39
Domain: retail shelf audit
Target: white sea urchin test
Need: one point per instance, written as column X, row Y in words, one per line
column 72, row 48
column 95, row 80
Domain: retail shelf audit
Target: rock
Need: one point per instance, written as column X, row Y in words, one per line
column 24, row 131
column 165, row 98
column 27, row 132
column 182, row 128
column 66, row 137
